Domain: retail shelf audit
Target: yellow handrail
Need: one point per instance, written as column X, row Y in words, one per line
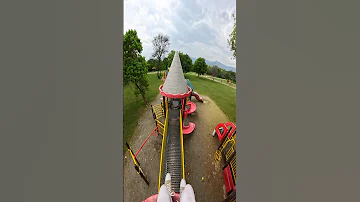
column 158, row 111
column 233, row 167
column 163, row 145
column 159, row 122
column 182, row 147
column 231, row 150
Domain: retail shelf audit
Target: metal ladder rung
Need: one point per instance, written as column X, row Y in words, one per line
column 233, row 167
column 158, row 107
column 158, row 110
column 229, row 152
column 160, row 123
column 217, row 156
column 159, row 115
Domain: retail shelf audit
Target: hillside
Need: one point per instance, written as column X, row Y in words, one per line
column 217, row 63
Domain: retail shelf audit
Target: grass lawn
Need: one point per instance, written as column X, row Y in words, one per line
column 215, row 78
column 134, row 106
column 223, row 96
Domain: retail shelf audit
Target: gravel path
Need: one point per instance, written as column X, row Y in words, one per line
column 200, row 147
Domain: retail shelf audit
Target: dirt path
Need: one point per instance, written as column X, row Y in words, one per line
column 200, row 147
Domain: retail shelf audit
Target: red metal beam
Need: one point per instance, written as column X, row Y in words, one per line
column 145, row 141
column 175, row 96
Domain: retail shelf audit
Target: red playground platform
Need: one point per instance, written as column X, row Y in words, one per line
column 188, row 129
column 190, row 109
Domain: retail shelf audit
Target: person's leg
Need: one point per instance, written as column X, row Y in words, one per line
column 168, row 184
column 182, row 185
column 164, row 195
column 188, row 194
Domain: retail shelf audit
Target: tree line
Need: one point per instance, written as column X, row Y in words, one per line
column 201, row 68
column 215, row 71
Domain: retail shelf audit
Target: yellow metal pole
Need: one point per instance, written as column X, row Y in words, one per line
column 182, row 147
column 163, row 145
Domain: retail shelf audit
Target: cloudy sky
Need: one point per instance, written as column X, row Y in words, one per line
column 199, row 28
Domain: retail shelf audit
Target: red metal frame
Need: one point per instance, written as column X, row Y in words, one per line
column 228, row 179
column 219, row 134
column 225, row 127
column 153, row 198
column 232, row 126
column 153, row 132
column 175, row 96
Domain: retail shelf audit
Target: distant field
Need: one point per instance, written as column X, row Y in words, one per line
column 215, row 78
column 224, row 96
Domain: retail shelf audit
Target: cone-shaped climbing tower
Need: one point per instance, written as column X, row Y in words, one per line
column 175, row 83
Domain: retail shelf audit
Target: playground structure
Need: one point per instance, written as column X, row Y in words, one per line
column 169, row 117
column 165, row 74
column 226, row 134
column 193, row 93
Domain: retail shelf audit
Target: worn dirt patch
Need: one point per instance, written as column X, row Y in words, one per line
column 200, row 147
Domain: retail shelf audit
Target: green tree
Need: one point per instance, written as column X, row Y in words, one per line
column 221, row 73
column 161, row 45
column 232, row 76
column 232, row 40
column 165, row 64
column 170, row 57
column 186, row 62
column 215, row 71
column 209, row 70
column 200, row 66
column 162, row 65
column 151, row 63
column 135, row 66
column 227, row 75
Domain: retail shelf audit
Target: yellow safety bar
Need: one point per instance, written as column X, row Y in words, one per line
column 163, row 145
column 132, row 155
column 160, row 126
column 182, row 147
column 229, row 152
column 158, row 111
column 233, row 167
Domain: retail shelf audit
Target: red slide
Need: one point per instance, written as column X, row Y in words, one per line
column 197, row 96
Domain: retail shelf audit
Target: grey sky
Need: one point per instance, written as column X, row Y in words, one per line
column 199, row 28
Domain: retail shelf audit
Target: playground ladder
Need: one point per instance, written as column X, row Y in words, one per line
column 158, row 113
column 233, row 167
column 228, row 145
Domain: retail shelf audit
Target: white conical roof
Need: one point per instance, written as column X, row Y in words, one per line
column 175, row 82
